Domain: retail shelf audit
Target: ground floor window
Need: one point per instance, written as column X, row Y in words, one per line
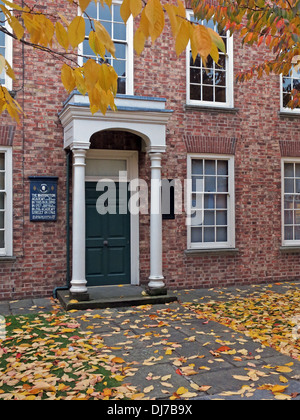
column 5, row 201
column 210, row 202
column 291, row 201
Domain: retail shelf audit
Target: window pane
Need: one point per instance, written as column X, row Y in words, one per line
column 220, row 94
column 209, row 234
column 222, row 167
column 222, row 234
column 196, row 234
column 288, row 217
column 209, row 201
column 220, row 78
column 119, row 31
column 2, row 161
column 197, row 167
column 221, row 218
column 208, row 93
column 297, row 217
column 286, row 99
column 210, row 183
column 288, row 169
column 222, row 184
column 288, row 233
column 288, row 202
column 197, row 183
column 209, row 218
column 104, row 12
column 286, row 84
column 91, row 10
column 195, row 75
column 210, row 167
column 1, row 219
column 221, row 202
column 121, row 85
column 2, row 242
column 289, row 185
column 195, row 92
column 120, row 50
column 297, row 186
column 2, row 202
column 297, row 233
column 208, row 76
column 2, row 181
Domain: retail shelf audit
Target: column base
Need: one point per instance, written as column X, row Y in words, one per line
column 156, row 291
column 81, row 296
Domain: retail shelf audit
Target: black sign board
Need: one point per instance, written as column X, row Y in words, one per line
column 43, row 198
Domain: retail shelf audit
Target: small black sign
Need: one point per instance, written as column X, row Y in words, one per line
column 43, row 198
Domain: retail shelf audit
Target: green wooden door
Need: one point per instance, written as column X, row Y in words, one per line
column 107, row 243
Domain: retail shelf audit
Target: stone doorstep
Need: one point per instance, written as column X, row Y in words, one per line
column 112, row 297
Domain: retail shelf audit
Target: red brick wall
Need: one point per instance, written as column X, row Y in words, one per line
column 255, row 133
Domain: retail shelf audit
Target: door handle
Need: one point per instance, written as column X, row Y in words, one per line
column 105, row 243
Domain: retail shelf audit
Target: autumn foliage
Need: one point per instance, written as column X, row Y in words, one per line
column 275, row 24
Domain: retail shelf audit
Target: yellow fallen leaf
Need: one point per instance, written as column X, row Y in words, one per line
column 169, row 351
column 283, row 379
column 189, row 395
column 278, row 388
column 166, row 377
column 241, row 378
column 118, row 360
column 148, row 389
column 73, row 301
column 282, row 397
column 181, row 390
column 283, row 369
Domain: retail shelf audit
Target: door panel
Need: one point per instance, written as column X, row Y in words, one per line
column 107, row 243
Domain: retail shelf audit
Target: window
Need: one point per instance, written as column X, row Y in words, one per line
column 211, row 84
column 5, row 201
column 211, row 202
column 5, row 50
column 121, row 34
column 288, row 83
column 291, row 202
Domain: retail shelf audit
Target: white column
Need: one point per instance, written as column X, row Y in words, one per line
column 156, row 277
column 78, row 281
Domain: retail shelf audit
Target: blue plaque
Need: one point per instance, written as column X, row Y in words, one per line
column 43, row 198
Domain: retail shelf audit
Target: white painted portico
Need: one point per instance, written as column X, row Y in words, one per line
column 143, row 116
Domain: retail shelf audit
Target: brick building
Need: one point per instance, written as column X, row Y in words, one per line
column 233, row 150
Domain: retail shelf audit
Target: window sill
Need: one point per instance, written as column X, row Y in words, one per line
column 288, row 114
column 6, row 259
column 217, row 251
column 216, row 109
column 290, row 249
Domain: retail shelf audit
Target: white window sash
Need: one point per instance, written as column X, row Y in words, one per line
column 8, row 213
column 8, row 56
column 282, row 108
column 229, row 77
column 286, row 242
column 230, row 243
column 129, row 51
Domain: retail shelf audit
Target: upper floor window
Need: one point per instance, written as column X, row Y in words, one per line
column 122, row 36
column 288, row 84
column 5, row 49
column 211, row 84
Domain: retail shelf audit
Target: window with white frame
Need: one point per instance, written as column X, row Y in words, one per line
column 288, row 84
column 211, row 84
column 121, row 34
column 291, row 202
column 5, row 201
column 211, row 202
column 5, row 49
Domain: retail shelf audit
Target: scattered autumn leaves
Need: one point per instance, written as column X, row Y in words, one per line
column 176, row 351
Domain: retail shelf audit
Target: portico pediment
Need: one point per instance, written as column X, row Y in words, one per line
column 144, row 116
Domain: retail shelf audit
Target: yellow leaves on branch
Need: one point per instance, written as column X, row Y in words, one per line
column 99, row 81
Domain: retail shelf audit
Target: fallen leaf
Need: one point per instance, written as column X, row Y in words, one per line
column 148, row 389
column 181, row 390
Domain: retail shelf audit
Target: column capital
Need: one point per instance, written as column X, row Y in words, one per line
column 156, row 150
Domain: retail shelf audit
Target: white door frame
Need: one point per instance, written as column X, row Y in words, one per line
column 131, row 157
